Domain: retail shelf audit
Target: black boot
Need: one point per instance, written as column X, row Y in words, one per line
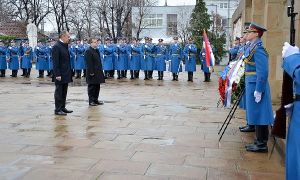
column 125, row 74
column 262, row 135
column 51, row 73
column 23, row 72
column 73, row 72
column 28, row 73
column 248, row 128
column 208, row 77
column 150, row 74
column 174, row 77
column 48, row 73
column 158, row 74
column 189, row 76
column 119, row 75
column 161, row 75
column 77, row 74
column 84, row 73
column 131, row 74
column 14, row 73
column 2, row 73
column 137, row 73
column 146, row 75
column 205, row 77
column 192, row 74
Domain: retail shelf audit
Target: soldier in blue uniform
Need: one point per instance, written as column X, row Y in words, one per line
column 22, row 45
column 134, row 51
column 27, row 59
column 147, row 60
column 79, row 65
column 50, row 66
column 121, row 55
column 291, row 65
column 204, row 67
column 190, row 51
column 72, row 46
column 86, row 46
column 40, row 53
column 175, row 58
column 13, row 57
column 161, row 58
column 152, row 54
column 233, row 51
column 107, row 57
column 258, row 97
column 3, row 65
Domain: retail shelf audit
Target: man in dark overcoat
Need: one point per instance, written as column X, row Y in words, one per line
column 94, row 72
column 62, row 73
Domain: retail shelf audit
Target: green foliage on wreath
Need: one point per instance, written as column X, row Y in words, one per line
column 239, row 87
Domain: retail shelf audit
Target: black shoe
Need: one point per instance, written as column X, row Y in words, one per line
column 61, row 113
column 249, row 145
column 242, row 127
column 248, row 129
column 92, row 104
column 99, row 102
column 67, row 111
column 258, row 148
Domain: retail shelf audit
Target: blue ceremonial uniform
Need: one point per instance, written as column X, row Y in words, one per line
column 291, row 65
column 175, row 55
column 3, row 50
column 107, row 57
column 13, row 55
column 148, row 62
column 27, row 58
column 190, row 51
column 204, row 67
column 50, row 60
column 40, row 53
column 134, row 52
column 256, row 79
column 161, row 55
column 72, row 55
column 79, row 57
column 121, row 55
column 233, row 51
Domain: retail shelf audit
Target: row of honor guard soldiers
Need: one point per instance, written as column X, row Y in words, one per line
column 148, row 56
column 22, row 57
column 133, row 56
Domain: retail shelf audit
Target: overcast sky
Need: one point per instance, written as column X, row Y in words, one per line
column 177, row 2
column 49, row 25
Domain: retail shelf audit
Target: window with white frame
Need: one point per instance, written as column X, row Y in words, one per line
column 223, row 5
column 153, row 20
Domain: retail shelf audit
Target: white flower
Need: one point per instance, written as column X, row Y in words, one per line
column 237, row 79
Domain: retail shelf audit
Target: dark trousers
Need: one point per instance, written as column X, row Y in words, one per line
column 60, row 96
column 93, row 92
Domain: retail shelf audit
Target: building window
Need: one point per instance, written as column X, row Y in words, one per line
column 172, row 24
column 223, row 5
column 153, row 21
column 224, row 22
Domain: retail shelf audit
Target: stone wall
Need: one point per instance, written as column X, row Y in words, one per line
column 272, row 15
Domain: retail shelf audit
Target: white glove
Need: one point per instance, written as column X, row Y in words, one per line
column 190, row 47
column 36, row 47
column 146, row 46
column 144, row 56
column 118, row 45
column 166, row 61
column 288, row 50
column 131, row 45
column 9, row 48
column 181, row 62
column 103, row 56
column 170, row 60
column 257, row 96
column 104, row 46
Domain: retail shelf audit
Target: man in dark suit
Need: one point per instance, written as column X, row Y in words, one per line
column 62, row 73
column 94, row 72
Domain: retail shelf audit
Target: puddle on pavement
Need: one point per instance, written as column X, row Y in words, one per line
column 78, row 83
column 159, row 141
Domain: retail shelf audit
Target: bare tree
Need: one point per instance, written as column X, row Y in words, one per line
column 23, row 10
column 59, row 9
column 217, row 26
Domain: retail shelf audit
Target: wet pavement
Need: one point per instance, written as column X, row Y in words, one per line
column 145, row 130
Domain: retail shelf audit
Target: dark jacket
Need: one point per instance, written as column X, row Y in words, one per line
column 61, row 63
column 93, row 66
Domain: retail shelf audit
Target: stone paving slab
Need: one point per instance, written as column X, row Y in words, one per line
column 146, row 130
